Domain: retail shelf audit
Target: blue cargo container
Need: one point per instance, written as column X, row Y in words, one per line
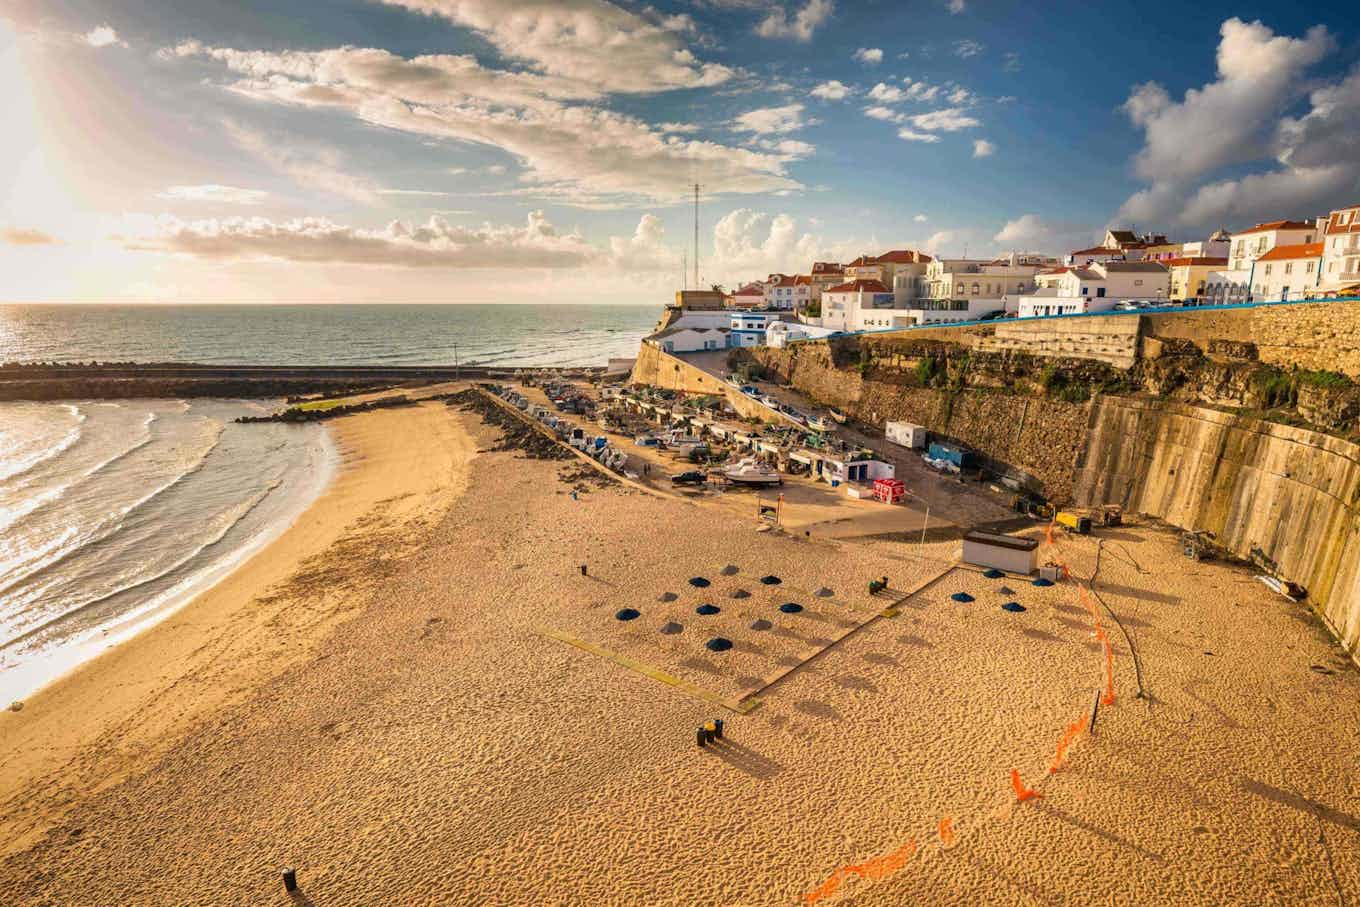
column 961, row 457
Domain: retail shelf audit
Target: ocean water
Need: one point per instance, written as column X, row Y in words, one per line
column 512, row 335
column 114, row 512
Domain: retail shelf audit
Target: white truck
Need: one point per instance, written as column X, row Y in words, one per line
column 907, row 434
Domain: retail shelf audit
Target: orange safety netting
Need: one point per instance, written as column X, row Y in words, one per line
column 1022, row 793
column 1108, row 698
column 1068, row 738
column 946, row 831
column 874, row 870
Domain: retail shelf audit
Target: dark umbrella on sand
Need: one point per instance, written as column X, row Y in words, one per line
column 771, row 580
column 699, row 582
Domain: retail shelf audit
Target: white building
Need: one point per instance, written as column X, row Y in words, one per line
column 791, row 293
column 751, row 296
column 1288, row 272
column 679, row 339
column 1250, row 244
column 1341, row 253
column 1095, row 288
column 781, row 333
column 843, row 304
column 963, row 289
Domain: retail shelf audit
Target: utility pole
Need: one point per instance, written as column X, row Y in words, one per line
column 696, row 236
column 684, row 270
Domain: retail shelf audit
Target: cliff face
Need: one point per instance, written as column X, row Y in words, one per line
column 1287, row 495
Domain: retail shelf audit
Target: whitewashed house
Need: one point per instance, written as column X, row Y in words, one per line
column 1341, row 253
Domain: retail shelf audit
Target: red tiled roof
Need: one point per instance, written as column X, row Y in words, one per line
column 904, row 257
column 827, row 267
column 750, row 290
column 1098, row 250
column 1055, row 271
column 1334, row 226
column 1287, row 253
column 1280, row 225
column 802, row 280
column 1193, row 260
column 859, row 286
column 862, row 261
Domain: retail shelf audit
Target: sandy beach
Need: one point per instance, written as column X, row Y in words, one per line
column 389, row 700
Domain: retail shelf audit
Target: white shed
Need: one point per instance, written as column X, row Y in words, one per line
column 908, row 434
column 1003, row 552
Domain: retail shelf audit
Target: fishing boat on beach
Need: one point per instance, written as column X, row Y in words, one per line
column 752, row 473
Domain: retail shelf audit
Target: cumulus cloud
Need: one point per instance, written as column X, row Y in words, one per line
column 590, row 41
column 19, row 236
column 645, row 250
column 1030, row 232
column 103, row 36
column 869, row 56
column 799, row 27
column 771, row 120
column 912, row 135
column 211, row 192
column 832, row 90
column 983, row 148
column 949, row 119
column 954, row 6
column 748, row 242
column 920, row 218
column 887, row 114
column 571, row 152
column 967, row 48
column 1236, row 120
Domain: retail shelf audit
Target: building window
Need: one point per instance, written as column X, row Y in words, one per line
column 1268, row 267
column 1100, row 292
column 1308, row 268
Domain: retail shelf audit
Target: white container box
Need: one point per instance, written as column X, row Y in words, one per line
column 907, row 434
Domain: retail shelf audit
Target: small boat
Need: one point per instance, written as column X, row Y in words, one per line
column 817, row 423
column 837, row 415
column 752, row 473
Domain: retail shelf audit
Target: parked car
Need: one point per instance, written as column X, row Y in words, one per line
column 692, row 477
column 992, row 316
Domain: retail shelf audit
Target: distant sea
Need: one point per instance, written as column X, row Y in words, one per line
column 510, row 335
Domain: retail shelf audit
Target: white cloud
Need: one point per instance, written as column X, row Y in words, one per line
column 911, row 135
column 887, row 114
column 869, row 56
column 833, row 90
column 920, row 218
column 679, row 128
column 789, row 148
column 800, row 28
column 1011, row 61
column 570, row 152
column 983, row 148
column 317, row 168
column 591, row 41
column 1237, row 119
column 954, row 6
column 888, row 94
column 1031, row 233
column 967, row 48
column 103, row 36
column 960, row 95
column 433, row 244
column 749, row 243
column 1225, row 121
column 211, row 192
column 949, row 119
column 771, row 120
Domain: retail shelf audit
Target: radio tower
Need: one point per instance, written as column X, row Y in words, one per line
column 696, row 236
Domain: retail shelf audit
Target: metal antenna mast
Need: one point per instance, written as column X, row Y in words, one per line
column 696, row 236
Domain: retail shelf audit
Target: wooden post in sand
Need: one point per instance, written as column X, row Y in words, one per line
column 290, row 880
column 1095, row 710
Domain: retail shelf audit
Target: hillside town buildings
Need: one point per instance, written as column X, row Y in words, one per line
column 1277, row 260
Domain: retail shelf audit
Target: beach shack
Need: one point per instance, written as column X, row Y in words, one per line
column 1002, row 552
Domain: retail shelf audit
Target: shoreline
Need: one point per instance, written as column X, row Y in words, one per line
column 37, row 673
column 136, row 698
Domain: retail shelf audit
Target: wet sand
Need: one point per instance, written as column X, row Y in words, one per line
column 425, row 741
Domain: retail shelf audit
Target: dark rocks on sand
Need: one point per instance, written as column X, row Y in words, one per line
column 771, row 580
column 790, row 607
column 628, row 614
column 718, row 644
column 961, row 597
column 1013, row 606
column 729, row 570
column 761, row 623
column 671, row 628
column 699, row 582
column 707, row 609
column 824, row 592
column 740, row 593
column 667, row 597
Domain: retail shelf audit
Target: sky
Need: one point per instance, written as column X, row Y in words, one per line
column 545, row 150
